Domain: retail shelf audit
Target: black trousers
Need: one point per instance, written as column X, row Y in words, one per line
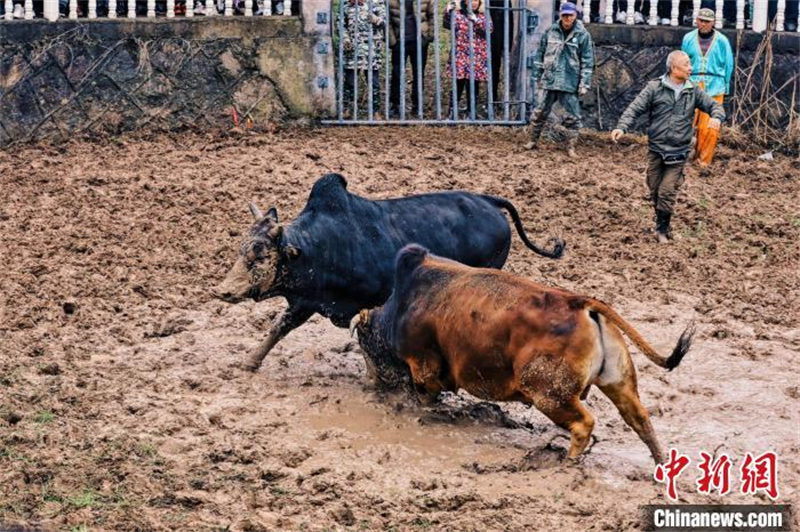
column 462, row 86
column 397, row 64
column 498, row 43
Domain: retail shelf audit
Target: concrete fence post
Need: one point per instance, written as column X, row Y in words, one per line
column 317, row 21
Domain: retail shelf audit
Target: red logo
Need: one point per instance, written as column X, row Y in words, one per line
column 760, row 474
column 668, row 472
column 715, row 474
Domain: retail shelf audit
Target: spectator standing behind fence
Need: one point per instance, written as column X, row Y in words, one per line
column 410, row 44
column 669, row 103
column 712, row 66
column 461, row 19
column 497, row 19
column 359, row 24
column 563, row 67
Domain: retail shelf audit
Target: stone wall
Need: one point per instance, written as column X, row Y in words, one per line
column 628, row 56
column 71, row 77
column 89, row 76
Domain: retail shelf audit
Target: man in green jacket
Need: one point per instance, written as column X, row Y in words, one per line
column 669, row 103
column 563, row 68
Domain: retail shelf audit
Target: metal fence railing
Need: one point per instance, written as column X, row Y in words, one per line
column 429, row 62
column 91, row 9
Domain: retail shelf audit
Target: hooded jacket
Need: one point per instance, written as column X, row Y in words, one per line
column 564, row 62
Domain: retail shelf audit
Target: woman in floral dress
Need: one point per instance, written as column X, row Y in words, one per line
column 459, row 21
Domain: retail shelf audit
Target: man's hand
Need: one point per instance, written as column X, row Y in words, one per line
column 617, row 134
column 714, row 123
column 376, row 20
column 582, row 91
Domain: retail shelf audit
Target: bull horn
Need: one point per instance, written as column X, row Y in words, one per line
column 256, row 212
column 362, row 318
column 354, row 323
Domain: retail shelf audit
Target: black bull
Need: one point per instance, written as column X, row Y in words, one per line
column 337, row 256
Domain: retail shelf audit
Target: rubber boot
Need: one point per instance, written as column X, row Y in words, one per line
column 537, row 126
column 663, row 234
column 572, row 141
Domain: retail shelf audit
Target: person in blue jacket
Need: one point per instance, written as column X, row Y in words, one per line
column 712, row 66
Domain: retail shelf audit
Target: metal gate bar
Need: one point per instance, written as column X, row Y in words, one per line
column 350, row 26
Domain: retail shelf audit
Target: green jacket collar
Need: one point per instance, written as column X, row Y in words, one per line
column 686, row 84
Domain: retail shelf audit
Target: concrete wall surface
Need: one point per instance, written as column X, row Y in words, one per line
column 67, row 77
column 89, row 76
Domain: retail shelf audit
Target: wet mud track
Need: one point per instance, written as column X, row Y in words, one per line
column 122, row 405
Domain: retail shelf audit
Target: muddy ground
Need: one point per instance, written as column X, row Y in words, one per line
column 122, row 405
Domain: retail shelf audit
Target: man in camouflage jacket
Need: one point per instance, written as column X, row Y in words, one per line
column 363, row 18
column 669, row 103
column 563, row 69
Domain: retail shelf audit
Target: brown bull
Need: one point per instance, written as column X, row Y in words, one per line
column 504, row 338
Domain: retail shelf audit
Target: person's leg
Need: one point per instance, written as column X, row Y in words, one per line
column 461, row 86
column 498, row 43
column 394, row 91
column 671, row 181
column 376, row 89
column 347, row 90
column 572, row 120
column 539, row 117
column 706, row 137
column 653, row 176
column 417, row 73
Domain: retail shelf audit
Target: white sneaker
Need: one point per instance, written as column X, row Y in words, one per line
column 199, row 9
column 19, row 11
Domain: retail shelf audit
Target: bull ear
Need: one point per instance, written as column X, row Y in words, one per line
column 273, row 213
column 256, row 212
column 293, row 252
column 276, row 233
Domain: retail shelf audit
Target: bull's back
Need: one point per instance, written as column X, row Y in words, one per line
column 456, row 225
column 489, row 324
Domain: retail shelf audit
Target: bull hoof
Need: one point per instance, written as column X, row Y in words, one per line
column 531, row 146
column 250, row 366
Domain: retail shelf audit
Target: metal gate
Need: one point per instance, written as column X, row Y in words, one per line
column 479, row 70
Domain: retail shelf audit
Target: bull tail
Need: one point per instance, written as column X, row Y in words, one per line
column 671, row 362
column 557, row 243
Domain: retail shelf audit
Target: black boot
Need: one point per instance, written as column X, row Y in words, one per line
column 663, row 233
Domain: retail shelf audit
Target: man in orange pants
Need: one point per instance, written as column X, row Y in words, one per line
column 712, row 66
